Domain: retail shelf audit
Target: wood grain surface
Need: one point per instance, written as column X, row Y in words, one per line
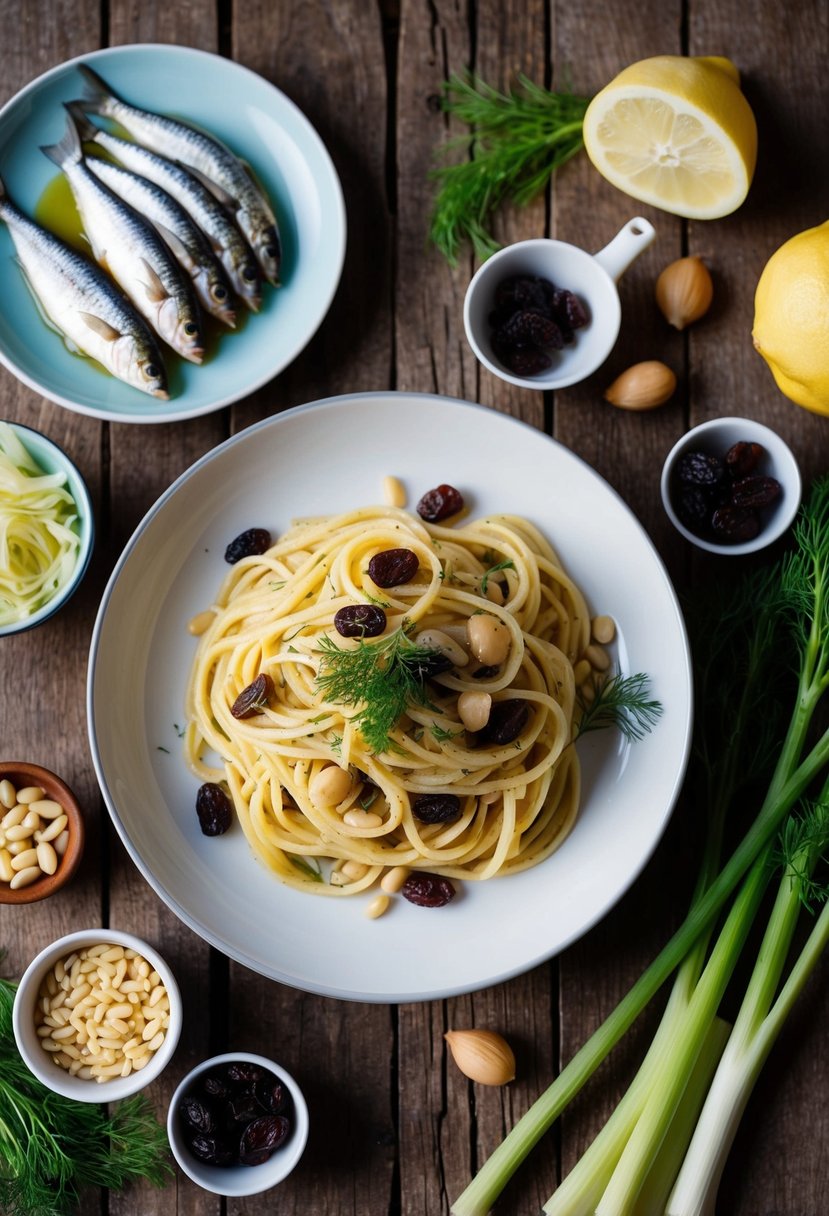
column 395, row 1129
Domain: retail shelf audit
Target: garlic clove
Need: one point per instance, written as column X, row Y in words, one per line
column 482, row 1055
column 643, row 386
column 684, row 291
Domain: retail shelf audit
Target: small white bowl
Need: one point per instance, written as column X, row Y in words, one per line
column 53, row 459
column 591, row 277
column 715, row 437
column 237, row 1180
column 38, row 1061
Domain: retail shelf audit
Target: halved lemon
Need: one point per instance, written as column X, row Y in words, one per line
column 675, row 132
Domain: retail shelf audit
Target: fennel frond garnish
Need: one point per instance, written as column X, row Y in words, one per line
column 383, row 677
column 516, row 140
column 623, row 702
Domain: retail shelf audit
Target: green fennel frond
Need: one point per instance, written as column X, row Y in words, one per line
column 515, row 142
column 802, row 845
column 381, row 677
column 623, row 702
column 805, row 581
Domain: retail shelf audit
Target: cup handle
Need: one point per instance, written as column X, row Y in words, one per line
column 626, row 245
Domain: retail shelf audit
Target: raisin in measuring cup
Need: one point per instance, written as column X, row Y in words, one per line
column 516, row 294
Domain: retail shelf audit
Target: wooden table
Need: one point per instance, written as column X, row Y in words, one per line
column 395, row 1130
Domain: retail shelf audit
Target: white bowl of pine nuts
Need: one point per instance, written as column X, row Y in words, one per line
column 97, row 1015
column 41, row 833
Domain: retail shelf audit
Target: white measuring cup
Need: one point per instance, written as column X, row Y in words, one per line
column 590, row 276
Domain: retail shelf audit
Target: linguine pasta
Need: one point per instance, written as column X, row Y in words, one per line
column 274, row 614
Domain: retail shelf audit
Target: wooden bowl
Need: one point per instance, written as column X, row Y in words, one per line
column 21, row 775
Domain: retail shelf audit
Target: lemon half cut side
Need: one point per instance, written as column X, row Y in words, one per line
column 677, row 133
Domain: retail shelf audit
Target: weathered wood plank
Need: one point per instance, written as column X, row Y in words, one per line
column 43, row 671
column 329, row 59
column 448, row 1125
column 143, row 463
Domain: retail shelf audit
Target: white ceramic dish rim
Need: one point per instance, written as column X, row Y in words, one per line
column 235, row 950
column 786, row 467
column 338, row 221
column 271, row 1172
column 86, row 519
column 56, row 1078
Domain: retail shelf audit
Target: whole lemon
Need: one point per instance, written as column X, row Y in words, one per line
column 791, row 318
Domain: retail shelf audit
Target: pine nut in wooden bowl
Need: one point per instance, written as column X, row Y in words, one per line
column 97, row 1015
column 41, row 833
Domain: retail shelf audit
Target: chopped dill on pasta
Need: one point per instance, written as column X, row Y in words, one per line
column 384, row 677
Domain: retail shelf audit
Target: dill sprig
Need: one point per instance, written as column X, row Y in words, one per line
column 623, row 702
column 516, row 140
column 52, row 1146
column 384, row 677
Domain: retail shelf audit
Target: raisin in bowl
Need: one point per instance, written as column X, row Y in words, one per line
column 237, row 1124
column 543, row 314
column 731, row 486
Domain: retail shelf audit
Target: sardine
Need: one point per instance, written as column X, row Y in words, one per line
column 218, row 167
column 132, row 251
column 203, row 207
column 186, row 241
column 80, row 301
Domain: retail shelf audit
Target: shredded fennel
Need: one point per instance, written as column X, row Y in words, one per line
column 39, row 537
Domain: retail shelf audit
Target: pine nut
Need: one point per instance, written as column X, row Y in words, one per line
column 337, row 879
column 8, row 794
column 20, row 832
column 6, row 871
column 377, row 906
column 597, row 657
column 61, row 842
column 54, row 829
column 17, row 846
column 13, row 817
column 354, row 870
column 361, row 819
column 32, row 821
column 394, row 492
column 494, row 592
column 24, row 877
column 393, row 879
column 25, row 859
column 581, row 671
column 31, row 793
column 488, row 639
column 47, row 808
column 47, row 858
column 436, row 639
column 329, row 786
column 603, row 629
column 200, row 623
column 474, row 709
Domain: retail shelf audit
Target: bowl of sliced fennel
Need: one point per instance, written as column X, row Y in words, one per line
column 47, row 528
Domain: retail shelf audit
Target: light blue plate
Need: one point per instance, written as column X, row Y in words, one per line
column 266, row 130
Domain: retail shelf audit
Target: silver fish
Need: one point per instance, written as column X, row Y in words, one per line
column 81, row 303
column 207, row 156
column 187, row 243
column 203, row 207
column 132, row 251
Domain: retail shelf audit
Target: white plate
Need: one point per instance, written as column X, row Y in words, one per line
column 324, row 458
column 262, row 126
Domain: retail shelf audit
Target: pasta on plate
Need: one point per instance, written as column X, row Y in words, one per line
column 410, row 746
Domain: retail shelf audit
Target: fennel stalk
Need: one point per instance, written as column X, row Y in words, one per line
column 803, row 582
